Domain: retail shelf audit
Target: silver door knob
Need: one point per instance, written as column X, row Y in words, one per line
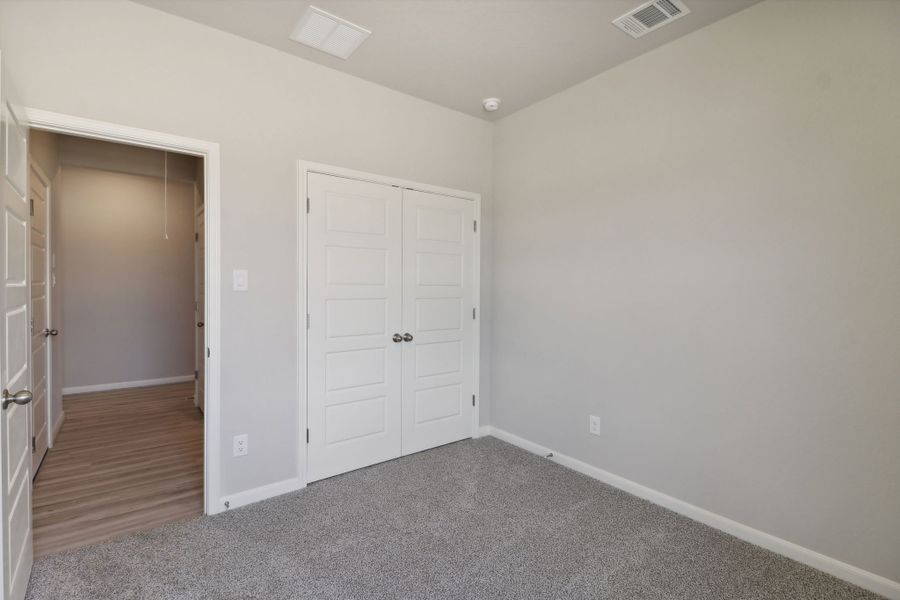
column 23, row 397
column 407, row 337
column 397, row 338
column 49, row 332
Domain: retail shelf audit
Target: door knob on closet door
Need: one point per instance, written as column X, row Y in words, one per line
column 407, row 337
column 49, row 332
column 397, row 338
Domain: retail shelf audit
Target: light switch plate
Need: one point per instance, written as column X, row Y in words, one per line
column 594, row 425
column 241, row 280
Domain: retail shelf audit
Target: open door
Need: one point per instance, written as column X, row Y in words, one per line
column 15, row 372
column 199, row 301
column 41, row 334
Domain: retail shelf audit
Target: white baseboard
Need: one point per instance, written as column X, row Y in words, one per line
column 121, row 385
column 483, row 431
column 841, row 570
column 261, row 493
column 58, row 424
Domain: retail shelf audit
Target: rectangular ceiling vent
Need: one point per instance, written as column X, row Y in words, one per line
column 652, row 15
column 328, row 33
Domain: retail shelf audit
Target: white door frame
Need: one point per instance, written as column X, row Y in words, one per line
column 209, row 151
column 304, row 168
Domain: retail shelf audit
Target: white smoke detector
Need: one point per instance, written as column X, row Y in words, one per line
column 328, row 33
column 491, row 104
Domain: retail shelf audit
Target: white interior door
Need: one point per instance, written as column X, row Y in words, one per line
column 200, row 305
column 41, row 333
column 438, row 303
column 15, row 433
column 354, row 294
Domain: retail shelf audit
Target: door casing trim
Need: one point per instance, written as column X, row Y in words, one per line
column 209, row 151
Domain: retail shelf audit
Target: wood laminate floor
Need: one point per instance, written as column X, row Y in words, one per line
column 126, row 460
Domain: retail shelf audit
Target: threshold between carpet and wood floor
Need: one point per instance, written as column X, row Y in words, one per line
column 125, row 460
column 476, row 519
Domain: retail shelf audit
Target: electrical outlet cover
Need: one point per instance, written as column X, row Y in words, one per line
column 240, row 445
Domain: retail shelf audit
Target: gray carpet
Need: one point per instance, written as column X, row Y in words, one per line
column 476, row 519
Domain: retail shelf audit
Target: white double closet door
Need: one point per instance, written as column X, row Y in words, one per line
column 384, row 264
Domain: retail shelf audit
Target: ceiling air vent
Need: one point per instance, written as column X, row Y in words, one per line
column 652, row 15
column 328, row 33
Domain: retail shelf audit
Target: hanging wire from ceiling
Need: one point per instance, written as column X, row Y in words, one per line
column 166, row 194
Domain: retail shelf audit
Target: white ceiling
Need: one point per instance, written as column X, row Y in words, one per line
column 457, row 52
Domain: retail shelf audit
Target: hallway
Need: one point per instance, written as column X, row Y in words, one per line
column 124, row 461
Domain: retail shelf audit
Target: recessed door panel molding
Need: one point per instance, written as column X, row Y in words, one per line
column 438, row 358
column 17, row 346
column 439, row 314
column 355, row 266
column 438, row 269
column 439, row 225
column 391, row 338
column 434, row 404
column 354, row 294
column 18, row 459
column 38, row 367
column 355, row 214
column 355, row 420
column 19, row 525
column 16, row 230
column 16, row 155
column 355, row 317
column 355, row 368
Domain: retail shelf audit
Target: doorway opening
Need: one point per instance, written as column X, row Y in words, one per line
column 119, row 345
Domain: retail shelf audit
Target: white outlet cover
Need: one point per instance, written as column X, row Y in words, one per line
column 240, row 445
column 240, row 280
column 594, row 425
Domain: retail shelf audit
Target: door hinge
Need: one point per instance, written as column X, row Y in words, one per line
column 473, row 399
column 307, row 320
column 307, row 436
column 473, row 312
column 196, row 236
column 307, row 206
column 33, row 445
column 31, row 206
column 475, row 226
column 196, row 374
column 207, row 353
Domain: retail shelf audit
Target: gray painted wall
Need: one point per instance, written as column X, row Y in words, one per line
column 702, row 246
column 122, row 158
column 266, row 109
column 128, row 310
column 43, row 147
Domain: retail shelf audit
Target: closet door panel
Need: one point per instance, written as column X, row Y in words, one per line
column 354, row 299
column 438, row 298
